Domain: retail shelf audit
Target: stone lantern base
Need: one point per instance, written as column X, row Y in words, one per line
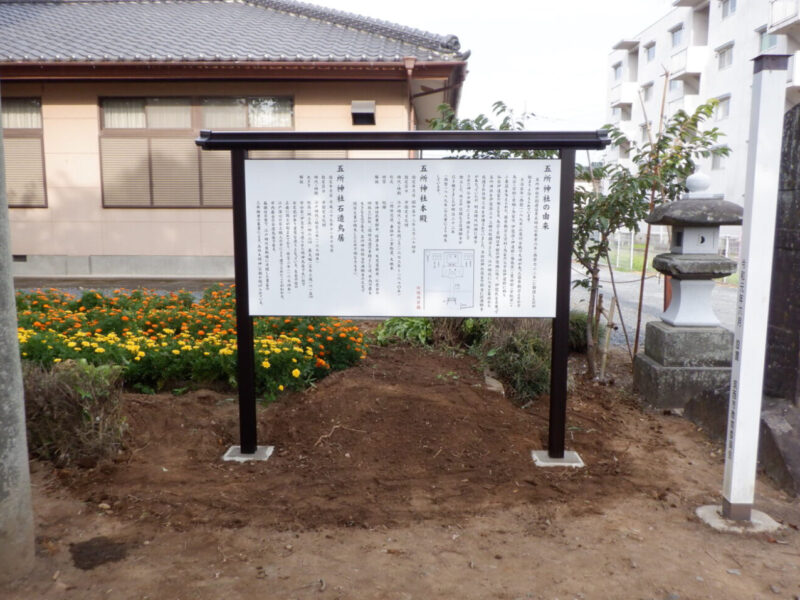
column 680, row 364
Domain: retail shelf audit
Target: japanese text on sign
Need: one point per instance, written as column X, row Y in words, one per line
column 402, row 237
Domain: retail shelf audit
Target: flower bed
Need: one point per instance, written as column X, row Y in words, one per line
column 163, row 340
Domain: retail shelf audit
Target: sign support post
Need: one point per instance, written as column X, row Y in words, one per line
column 747, row 373
column 245, row 363
column 560, row 343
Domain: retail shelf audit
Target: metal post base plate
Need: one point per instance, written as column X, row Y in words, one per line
column 234, row 454
column 571, row 459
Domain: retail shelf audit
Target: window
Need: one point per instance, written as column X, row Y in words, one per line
column 767, row 41
column 24, row 155
column 617, row 69
column 723, row 109
column 676, row 87
column 616, row 113
column 718, row 162
column 647, row 91
column 650, row 51
column 148, row 155
column 644, row 133
column 676, row 35
column 725, row 57
column 728, row 8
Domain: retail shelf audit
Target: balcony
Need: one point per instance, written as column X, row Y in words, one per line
column 688, row 63
column 688, row 103
column 623, row 94
column 784, row 16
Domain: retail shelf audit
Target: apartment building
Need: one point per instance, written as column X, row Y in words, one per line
column 702, row 49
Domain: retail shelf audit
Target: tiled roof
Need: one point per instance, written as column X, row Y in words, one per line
column 205, row 30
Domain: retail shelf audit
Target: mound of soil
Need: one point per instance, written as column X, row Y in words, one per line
column 408, row 435
column 405, row 477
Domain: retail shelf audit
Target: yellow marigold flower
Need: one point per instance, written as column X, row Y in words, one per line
column 266, row 364
column 176, row 351
column 280, row 388
column 56, row 360
column 296, row 373
column 99, row 350
column 294, row 360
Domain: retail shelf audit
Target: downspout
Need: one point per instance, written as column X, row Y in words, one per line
column 410, row 62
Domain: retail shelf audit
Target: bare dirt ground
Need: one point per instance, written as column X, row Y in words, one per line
column 403, row 478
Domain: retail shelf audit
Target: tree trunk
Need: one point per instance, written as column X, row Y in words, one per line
column 16, row 514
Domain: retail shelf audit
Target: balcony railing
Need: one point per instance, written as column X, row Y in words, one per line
column 623, row 93
column 783, row 15
column 688, row 62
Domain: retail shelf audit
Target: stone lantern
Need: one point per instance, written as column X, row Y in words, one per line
column 688, row 353
column 693, row 261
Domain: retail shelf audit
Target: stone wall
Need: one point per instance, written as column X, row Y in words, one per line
column 782, row 372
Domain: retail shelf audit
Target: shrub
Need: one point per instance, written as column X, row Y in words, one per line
column 418, row 330
column 522, row 362
column 73, row 412
column 577, row 332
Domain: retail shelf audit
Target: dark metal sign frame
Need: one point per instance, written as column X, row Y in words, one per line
column 564, row 142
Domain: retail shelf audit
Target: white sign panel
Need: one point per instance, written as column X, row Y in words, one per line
column 467, row 238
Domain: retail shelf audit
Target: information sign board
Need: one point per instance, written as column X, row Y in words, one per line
column 402, row 237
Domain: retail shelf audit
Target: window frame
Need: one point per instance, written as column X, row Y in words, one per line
column 726, row 102
column 647, row 91
column 723, row 51
column 616, row 71
column 763, row 35
column 728, row 8
column 190, row 133
column 718, row 162
column 650, row 51
column 27, row 133
column 678, row 29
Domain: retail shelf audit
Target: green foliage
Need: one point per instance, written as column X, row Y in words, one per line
column 418, row 330
column 474, row 330
column 509, row 121
column 523, row 364
column 578, row 321
column 73, row 412
column 660, row 168
column 168, row 340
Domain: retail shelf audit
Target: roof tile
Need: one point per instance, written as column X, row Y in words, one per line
column 192, row 30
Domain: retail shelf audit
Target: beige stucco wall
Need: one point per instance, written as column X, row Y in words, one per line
column 75, row 224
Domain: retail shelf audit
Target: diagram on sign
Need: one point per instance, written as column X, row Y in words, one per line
column 449, row 279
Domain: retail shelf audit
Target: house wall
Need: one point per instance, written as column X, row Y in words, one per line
column 76, row 235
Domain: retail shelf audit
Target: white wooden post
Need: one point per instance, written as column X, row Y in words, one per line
column 747, row 374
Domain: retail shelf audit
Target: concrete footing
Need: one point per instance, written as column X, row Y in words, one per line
column 234, row 454
column 571, row 459
column 759, row 522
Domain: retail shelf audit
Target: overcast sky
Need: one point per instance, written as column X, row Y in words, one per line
column 546, row 57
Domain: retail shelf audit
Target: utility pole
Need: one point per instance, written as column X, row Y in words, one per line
column 16, row 513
